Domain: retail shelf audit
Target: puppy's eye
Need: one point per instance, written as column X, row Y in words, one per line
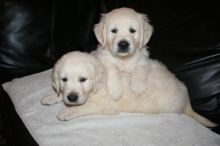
column 114, row 30
column 132, row 30
column 64, row 79
column 82, row 79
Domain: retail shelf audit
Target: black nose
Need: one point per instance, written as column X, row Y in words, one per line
column 72, row 97
column 123, row 46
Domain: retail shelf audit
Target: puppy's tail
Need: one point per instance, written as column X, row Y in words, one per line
column 202, row 120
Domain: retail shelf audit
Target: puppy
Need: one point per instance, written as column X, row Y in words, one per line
column 137, row 83
column 75, row 77
column 123, row 34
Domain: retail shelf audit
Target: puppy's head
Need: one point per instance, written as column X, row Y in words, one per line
column 75, row 76
column 123, row 31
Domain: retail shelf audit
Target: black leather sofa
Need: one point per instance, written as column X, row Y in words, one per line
column 34, row 34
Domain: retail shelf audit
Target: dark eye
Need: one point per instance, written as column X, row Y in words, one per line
column 132, row 30
column 82, row 79
column 64, row 79
column 115, row 30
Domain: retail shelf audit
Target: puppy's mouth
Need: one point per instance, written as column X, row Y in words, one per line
column 123, row 54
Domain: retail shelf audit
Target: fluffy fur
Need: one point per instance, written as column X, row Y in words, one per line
column 123, row 34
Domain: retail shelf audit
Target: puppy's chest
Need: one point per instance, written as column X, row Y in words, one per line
column 124, row 66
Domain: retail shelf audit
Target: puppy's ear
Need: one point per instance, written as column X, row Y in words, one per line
column 55, row 78
column 98, row 75
column 100, row 31
column 147, row 30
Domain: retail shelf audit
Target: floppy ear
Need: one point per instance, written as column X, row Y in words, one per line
column 55, row 78
column 99, row 77
column 100, row 31
column 147, row 30
column 98, row 74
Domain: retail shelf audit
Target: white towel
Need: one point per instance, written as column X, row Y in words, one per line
column 100, row 130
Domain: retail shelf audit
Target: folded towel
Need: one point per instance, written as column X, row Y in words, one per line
column 100, row 130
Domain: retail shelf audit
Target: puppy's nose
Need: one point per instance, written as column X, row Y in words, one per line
column 72, row 97
column 123, row 46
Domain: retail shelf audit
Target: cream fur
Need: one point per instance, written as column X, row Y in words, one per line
column 135, row 61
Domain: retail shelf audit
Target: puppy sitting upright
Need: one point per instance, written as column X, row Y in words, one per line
column 136, row 82
column 123, row 34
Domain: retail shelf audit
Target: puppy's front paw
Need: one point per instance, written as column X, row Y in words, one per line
column 115, row 90
column 49, row 100
column 66, row 114
column 139, row 86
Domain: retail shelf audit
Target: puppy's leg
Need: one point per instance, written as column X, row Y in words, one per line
column 83, row 110
column 53, row 99
column 139, row 79
column 114, row 82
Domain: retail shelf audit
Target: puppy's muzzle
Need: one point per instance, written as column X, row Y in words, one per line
column 123, row 46
column 72, row 97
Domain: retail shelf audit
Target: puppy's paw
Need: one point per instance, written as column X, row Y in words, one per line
column 139, row 86
column 115, row 90
column 66, row 114
column 49, row 100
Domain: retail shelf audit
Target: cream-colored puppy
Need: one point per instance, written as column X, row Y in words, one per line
column 75, row 77
column 144, row 85
column 123, row 34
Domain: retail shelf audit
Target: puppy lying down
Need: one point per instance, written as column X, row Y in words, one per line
column 80, row 82
column 79, row 79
